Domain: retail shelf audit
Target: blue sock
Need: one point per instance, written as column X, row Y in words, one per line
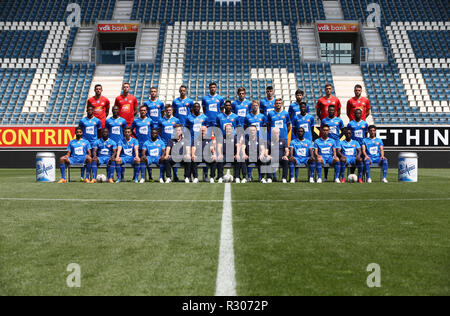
column 136, row 172
column 291, row 169
column 360, row 170
column 111, row 169
column 82, row 172
column 92, row 166
column 161, row 172
column 337, row 170
column 150, row 173
column 122, row 176
column 385, row 168
column 250, row 172
column 119, row 172
column 142, row 170
column 63, row 171
column 312, row 167
column 367, row 163
column 319, row 170
column 297, row 171
column 343, row 167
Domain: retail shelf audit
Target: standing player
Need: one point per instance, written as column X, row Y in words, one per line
column 325, row 153
column 302, row 153
column 155, row 106
column 358, row 102
column 268, row 104
column 167, row 123
column 141, row 128
column 195, row 121
column 279, row 118
column 305, row 121
column 212, row 104
column 241, row 106
column 351, row 155
column 178, row 150
column 91, row 127
column 127, row 103
column 78, row 152
column 358, row 127
column 326, row 101
column 127, row 153
column 373, row 152
column 153, row 152
column 105, row 151
column 227, row 118
column 100, row 103
column 116, row 126
column 182, row 106
column 335, row 123
column 294, row 108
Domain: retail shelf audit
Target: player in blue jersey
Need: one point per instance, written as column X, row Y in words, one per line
column 279, row 118
column 304, row 120
column 294, row 108
column 335, row 123
column 258, row 120
column 152, row 153
column 127, row 153
column 182, row 106
column 78, row 152
column 302, row 153
column 373, row 151
column 350, row 154
column 154, row 106
column 325, row 153
column 91, row 127
column 212, row 104
column 167, row 123
column 227, row 118
column 241, row 106
column 142, row 126
column 116, row 125
column 268, row 104
column 105, row 150
column 195, row 121
column 358, row 127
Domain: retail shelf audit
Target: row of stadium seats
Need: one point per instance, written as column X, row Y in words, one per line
column 41, row 10
column 160, row 11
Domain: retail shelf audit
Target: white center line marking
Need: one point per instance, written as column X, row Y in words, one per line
column 226, row 275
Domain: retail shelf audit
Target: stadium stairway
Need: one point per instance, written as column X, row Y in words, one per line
column 123, row 10
column 333, row 10
column 113, row 75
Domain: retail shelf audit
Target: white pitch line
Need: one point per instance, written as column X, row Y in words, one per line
column 226, row 275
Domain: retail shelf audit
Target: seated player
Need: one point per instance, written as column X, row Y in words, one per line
column 127, row 153
column 153, row 152
column 373, row 152
column 302, row 153
column 78, row 152
column 226, row 152
column 178, row 150
column 259, row 120
column 325, row 153
column 277, row 146
column 350, row 152
column 105, row 151
column 203, row 150
column 254, row 151
column 91, row 127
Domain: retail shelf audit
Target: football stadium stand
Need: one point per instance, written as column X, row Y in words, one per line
column 249, row 43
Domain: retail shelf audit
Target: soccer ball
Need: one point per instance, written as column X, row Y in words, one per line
column 228, row 178
column 101, row 178
column 352, row 178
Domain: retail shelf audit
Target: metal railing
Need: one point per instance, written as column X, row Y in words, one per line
column 374, row 54
column 82, row 55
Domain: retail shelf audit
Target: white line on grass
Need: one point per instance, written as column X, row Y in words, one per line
column 82, row 200
column 226, row 278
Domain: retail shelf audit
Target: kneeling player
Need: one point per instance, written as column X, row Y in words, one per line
column 105, row 150
column 301, row 153
column 127, row 153
column 349, row 152
column 78, row 152
column 153, row 154
column 373, row 152
column 325, row 152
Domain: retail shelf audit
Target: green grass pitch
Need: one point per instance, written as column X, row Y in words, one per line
column 289, row 239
